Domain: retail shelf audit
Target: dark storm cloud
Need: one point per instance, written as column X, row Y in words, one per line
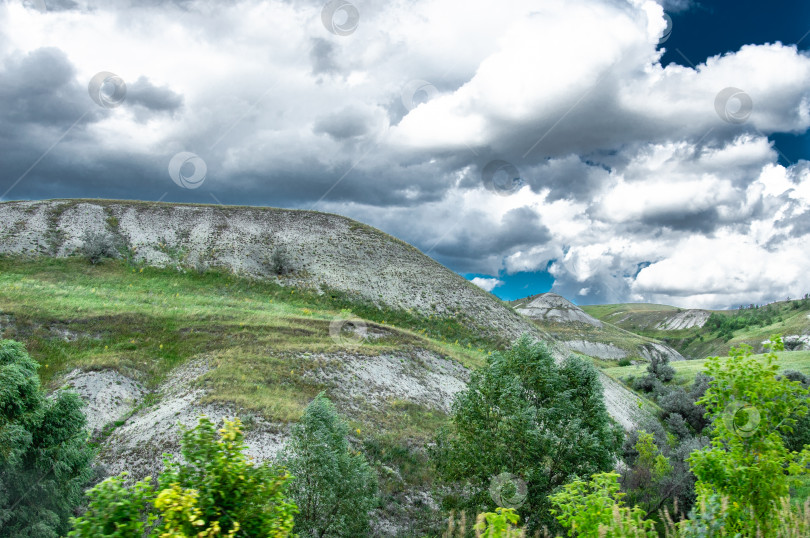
column 40, row 88
column 469, row 239
column 702, row 221
column 157, row 99
column 346, row 123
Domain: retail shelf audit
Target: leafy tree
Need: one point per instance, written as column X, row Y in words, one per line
column 334, row 487
column 752, row 408
column 216, row 491
column 525, row 415
column 44, row 457
column 595, row 508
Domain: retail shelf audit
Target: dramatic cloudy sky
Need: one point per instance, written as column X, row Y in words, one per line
column 609, row 150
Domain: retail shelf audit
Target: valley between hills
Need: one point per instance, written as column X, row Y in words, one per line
column 195, row 316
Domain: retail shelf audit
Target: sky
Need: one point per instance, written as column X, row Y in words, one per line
column 606, row 150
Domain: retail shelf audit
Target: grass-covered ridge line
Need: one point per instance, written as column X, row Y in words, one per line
column 723, row 330
column 685, row 371
column 145, row 321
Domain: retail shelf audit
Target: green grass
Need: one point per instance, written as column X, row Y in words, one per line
column 686, row 371
column 144, row 322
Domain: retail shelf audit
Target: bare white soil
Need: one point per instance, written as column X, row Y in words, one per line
column 685, row 319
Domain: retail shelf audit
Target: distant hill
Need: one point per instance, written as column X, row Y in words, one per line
column 693, row 334
column 586, row 334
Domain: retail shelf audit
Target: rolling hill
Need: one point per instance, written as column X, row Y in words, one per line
column 587, row 335
column 191, row 318
column 693, row 334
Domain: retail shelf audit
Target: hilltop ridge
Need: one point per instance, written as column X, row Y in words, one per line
column 328, row 252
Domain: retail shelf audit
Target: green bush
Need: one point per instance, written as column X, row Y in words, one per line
column 280, row 263
column 752, row 409
column 215, row 491
column 44, row 457
column 594, row 508
column 525, row 415
column 334, row 486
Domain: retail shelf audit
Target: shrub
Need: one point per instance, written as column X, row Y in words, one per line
column 498, row 524
column 594, row 508
column 334, row 486
column 625, row 362
column 44, row 457
column 97, row 246
column 216, row 491
column 280, row 263
column 747, row 462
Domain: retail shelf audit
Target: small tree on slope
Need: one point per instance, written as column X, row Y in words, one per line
column 334, row 487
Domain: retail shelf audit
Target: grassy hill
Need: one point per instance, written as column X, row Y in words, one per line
column 788, row 318
column 153, row 347
column 191, row 318
column 585, row 334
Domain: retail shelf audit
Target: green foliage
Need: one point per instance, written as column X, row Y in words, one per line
column 595, row 508
column 747, row 461
column 44, row 457
column 117, row 510
column 334, row 487
column 752, row 316
column 231, row 489
column 498, row 524
column 216, row 491
column 525, row 415
column 645, row 478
